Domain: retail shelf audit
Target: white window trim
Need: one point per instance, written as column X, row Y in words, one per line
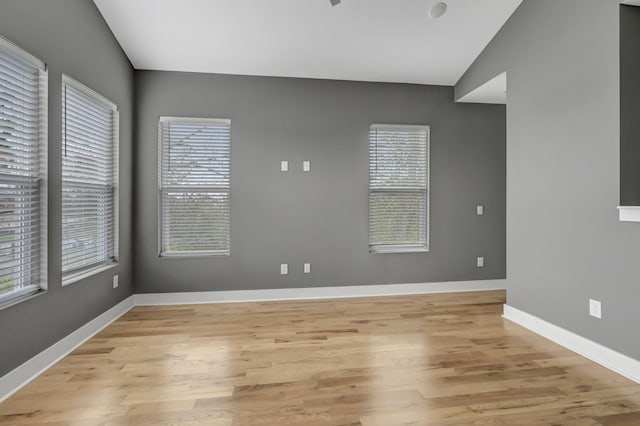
column 22, row 53
column 43, row 133
column 81, row 274
column 408, row 248
column 189, row 254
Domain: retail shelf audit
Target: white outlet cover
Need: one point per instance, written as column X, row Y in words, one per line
column 480, row 210
column 480, row 262
column 306, row 166
column 115, row 281
column 595, row 308
column 307, row 268
column 284, row 269
column 284, row 166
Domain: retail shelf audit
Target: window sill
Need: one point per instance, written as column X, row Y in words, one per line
column 194, row 254
column 79, row 276
column 629, row 213
column 4, row 304
column 392, row 250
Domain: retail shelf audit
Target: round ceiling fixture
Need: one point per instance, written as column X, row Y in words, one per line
column 438, row 9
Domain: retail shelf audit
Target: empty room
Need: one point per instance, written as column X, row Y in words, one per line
column 319, row 212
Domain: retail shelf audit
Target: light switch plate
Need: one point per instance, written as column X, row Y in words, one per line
column 307, row 268
column 595, row 308
column 284, row 269
column 284, row 166
column 480, row 262
column 306, row 166
column 480, row 210
column 115, row 281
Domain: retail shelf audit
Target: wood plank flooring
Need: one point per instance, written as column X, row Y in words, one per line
column 446, row 359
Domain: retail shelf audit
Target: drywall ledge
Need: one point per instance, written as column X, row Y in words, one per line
column 629, row 213
column 608, row 358
column 493, row 91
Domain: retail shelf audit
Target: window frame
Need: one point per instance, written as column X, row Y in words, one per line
column 204, row 188
column 78, row 274
column 41, row 286
column 402, row 248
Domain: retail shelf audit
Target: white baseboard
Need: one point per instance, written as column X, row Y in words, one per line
column 13, row 381
column 154, row 299
column 615, row 361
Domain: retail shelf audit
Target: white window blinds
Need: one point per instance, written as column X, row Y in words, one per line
column 398, row 188
column 194, row 181
column 89, row 178
column 23, row 130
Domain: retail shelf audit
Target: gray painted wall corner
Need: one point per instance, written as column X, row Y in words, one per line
column 72, row 38
column 321, row 216
column 565, row 244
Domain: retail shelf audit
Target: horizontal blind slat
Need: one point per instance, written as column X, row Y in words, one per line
column 21, row 113
column 89, row 207
column 398, row 186
column 195, row 164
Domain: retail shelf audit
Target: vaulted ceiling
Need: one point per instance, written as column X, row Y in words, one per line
column 367, row 40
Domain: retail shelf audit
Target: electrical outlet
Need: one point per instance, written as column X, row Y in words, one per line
column 480, row 210
column 115, row 281
column 307, row 268
column 480, row 262
column 306, row 166
column 595, row 308
column 284, row 166
column 284, row 269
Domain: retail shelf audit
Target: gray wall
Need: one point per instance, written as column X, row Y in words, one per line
column 629, row 105
column 71, row 37
column 564, row 241
column 321, row 216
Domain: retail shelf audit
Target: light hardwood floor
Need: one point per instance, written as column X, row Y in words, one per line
column 447, row 359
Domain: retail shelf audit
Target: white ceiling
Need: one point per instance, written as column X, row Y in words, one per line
column 367, row 40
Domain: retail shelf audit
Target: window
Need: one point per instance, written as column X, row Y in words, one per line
column 89, row 180
column 195, row 209
column 398, row 188
column 23, row 137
